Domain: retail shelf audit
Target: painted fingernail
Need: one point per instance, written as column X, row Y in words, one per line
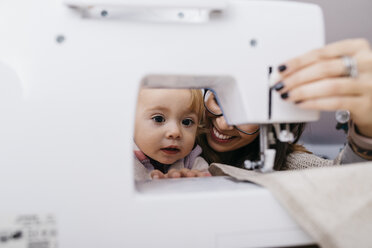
column 282, row 68
column 278, row 86
column 284, row 95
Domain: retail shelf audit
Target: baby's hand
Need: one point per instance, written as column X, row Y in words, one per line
column 157, row 174
column 173, row 173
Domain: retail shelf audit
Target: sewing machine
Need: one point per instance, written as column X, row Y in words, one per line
column 69, row 74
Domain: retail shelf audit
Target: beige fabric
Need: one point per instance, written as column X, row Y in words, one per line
column 332, row 204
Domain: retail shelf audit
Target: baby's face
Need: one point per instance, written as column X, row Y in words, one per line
column 165, row 127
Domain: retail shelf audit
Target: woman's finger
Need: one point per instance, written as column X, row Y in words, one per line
column 359, row 107
column 334, row 50
column 332, row 103
column 364, row 63
column 324, row 69
column 332, row 87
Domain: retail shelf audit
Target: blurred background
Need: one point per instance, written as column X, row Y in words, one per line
column 343, row 19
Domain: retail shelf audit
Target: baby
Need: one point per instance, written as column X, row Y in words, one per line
column 166, row 126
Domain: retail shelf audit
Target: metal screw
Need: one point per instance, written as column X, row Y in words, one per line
column 253, row 42
column 181, row 15
column 3, row 239
column 104, row 13
column 17, row 235
column 60, row 39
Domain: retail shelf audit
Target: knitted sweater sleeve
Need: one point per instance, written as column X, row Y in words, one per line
column 303, row 160
column 298, row 160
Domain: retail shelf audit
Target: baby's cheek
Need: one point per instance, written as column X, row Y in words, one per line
column 190, row 140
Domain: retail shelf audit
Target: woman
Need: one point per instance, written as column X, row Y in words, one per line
column 338, row 76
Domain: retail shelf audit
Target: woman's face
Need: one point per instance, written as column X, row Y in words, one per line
column 222, row 137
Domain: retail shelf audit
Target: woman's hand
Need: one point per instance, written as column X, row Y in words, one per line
column 319, row 80
column 173, row 173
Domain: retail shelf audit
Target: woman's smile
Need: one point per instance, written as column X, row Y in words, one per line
column 219, row 137
column 228, row 139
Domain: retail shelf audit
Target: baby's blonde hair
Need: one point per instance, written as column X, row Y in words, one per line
column 197, row 105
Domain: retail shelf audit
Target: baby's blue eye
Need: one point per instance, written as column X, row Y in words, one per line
column 158, row 118
column 187, row 122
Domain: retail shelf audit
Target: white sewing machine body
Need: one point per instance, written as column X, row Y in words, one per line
column 67, row 115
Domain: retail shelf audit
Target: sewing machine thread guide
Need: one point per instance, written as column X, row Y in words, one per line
column 270, row 91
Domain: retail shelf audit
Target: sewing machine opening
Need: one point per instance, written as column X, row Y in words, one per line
column 169, row 118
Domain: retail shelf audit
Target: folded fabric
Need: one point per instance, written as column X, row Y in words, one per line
column 332, row 204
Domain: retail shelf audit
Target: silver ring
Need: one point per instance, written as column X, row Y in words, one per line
column 350, row 66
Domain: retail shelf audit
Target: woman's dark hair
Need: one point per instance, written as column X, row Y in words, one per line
column 252, row 150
